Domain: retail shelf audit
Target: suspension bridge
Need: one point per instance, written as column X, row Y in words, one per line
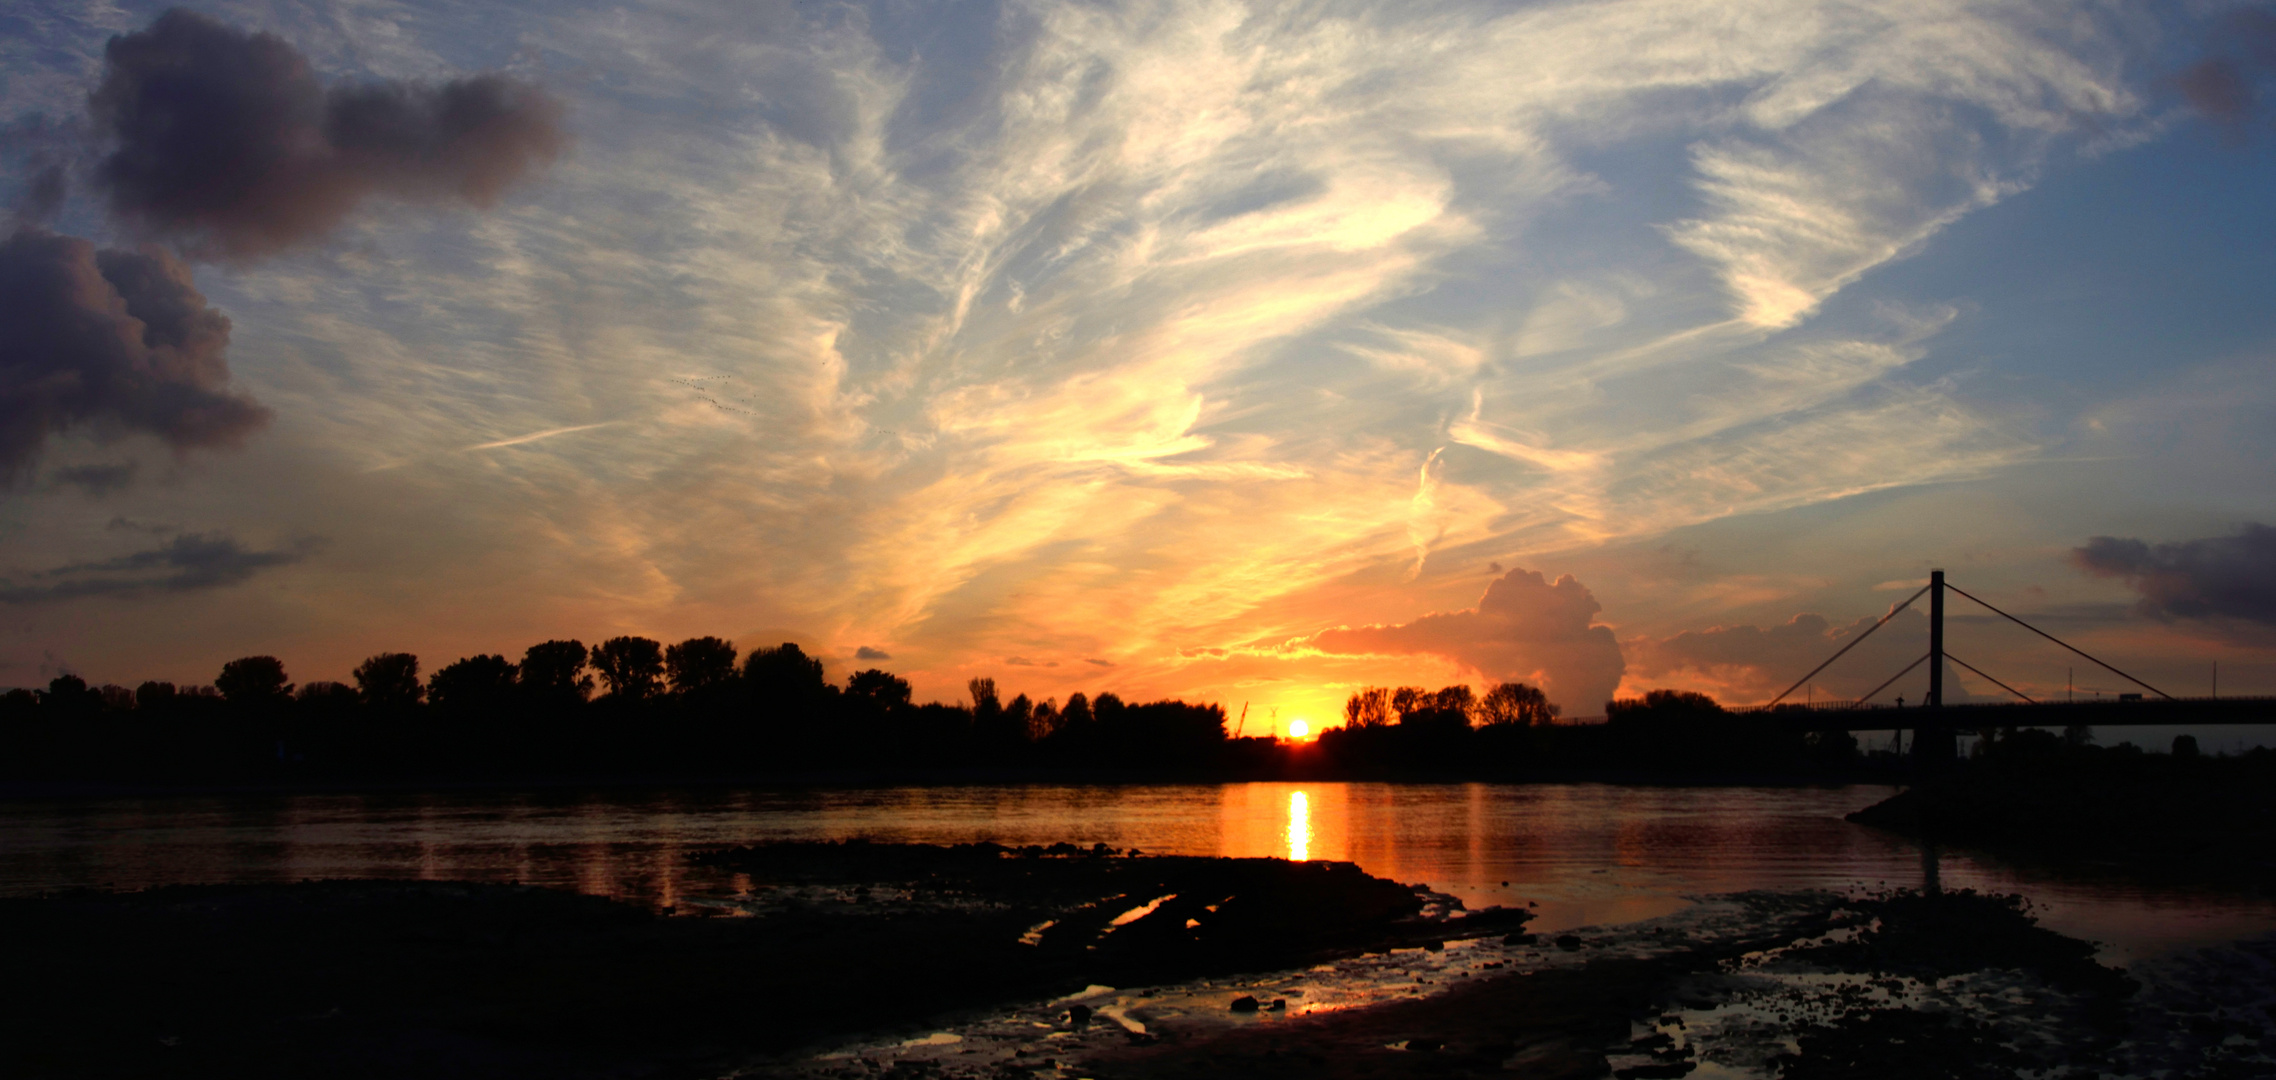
column 1934, row 724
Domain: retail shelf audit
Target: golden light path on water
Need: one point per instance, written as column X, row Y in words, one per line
column 1299, row 827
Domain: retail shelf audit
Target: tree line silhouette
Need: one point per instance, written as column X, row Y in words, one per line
column 1511, row 730
column 633, row 706
column 627, row 706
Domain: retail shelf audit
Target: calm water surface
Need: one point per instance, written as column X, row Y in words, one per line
column 1584, row 853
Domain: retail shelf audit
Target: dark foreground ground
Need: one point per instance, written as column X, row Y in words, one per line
column 386, row 979
column 861, row 960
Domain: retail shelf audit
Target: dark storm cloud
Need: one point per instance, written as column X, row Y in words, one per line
column 226, row 140
column 2221, row 577
column 96, row 480
column 120, row 340
column 188, row 562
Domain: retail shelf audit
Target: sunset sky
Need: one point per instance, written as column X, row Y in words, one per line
column 1243, row 353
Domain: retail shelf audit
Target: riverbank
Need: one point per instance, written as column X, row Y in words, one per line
column 1795, row 985
column 437, row 979
column 863, row 959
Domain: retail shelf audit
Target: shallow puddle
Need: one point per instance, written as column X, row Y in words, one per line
column 2196, row 1009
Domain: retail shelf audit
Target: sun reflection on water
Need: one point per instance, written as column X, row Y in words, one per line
column 1299, row 827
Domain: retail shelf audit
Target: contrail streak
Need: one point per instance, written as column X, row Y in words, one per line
column 536, row 435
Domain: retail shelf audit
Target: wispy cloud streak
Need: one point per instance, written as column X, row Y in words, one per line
column 1113, row 331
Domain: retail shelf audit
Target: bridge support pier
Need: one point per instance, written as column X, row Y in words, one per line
column 1933, row 740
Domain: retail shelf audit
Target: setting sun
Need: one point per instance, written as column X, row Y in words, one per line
column 1298, row 729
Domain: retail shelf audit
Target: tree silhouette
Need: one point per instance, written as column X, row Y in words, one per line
column 324, row 700
column 69, row 693
column 482, row 681
column 1681, row 701
column 1515, row 703
column 1076, row 719
column 390, row 681
column 1455, row 701
column 1043, row 721
column 1019, row 719
column 632, row 667
column 154, row 696
column 784, row 676
column 881, row 688
column 1446, row 710
column 699, row 662
column 253, row 680
column 555, row 671
column 1368, row 707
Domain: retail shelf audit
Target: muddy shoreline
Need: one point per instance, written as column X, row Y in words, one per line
column 1751, row 985
column 371, row 978
column 859, row 960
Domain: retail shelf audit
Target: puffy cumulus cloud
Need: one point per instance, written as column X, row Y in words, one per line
column 227, row 141
column 120, row 341
column 186, row 563
column 2221, row 577
column 1525, row 629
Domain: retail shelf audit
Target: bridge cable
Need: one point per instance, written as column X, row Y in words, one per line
column 1853, row 644
column 1995, row 682
column 2056, row 640
column 1899, row 675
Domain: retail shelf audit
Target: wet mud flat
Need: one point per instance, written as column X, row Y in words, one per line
column 857, row 960
column 809, row 942
column 1753, row 985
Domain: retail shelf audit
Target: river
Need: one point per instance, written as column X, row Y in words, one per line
column 1580, row 854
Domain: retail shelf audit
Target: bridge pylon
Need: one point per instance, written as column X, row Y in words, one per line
column 1935, row 640
column 1933, row 740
